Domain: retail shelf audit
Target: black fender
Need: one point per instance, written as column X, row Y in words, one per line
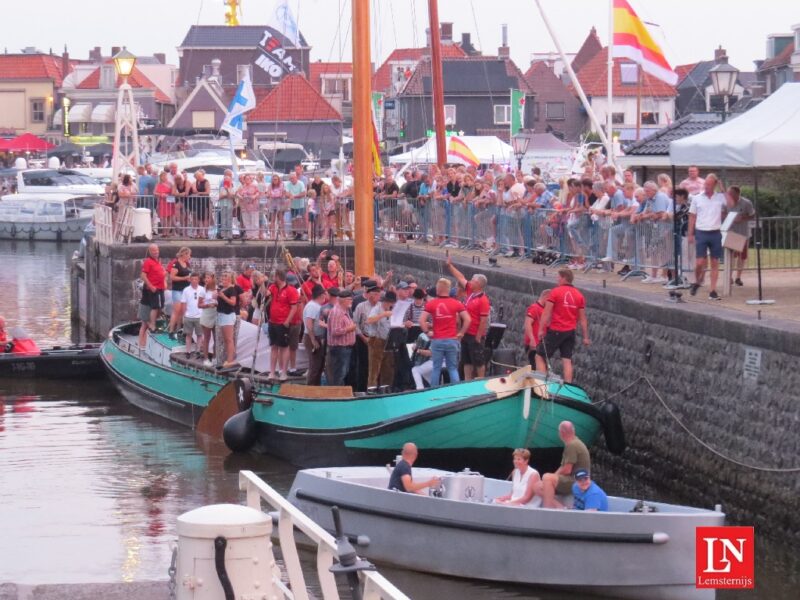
column 240, row 431
column 244, row 393
column 613, row 431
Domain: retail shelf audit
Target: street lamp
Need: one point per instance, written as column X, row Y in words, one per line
column 723, row 80
column 125, row 155
column 520, row 144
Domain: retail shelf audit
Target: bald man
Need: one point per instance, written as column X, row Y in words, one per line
column 574, row 458
column 401, row 478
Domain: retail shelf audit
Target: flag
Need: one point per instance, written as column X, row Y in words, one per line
column 517, row 111
column 632, row 40
column 243, row 101
column 283, row 20
column 375, row 147
column 460, row 150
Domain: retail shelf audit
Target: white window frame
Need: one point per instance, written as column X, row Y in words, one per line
column 34, row 111
column 200, row 119
column 563, row 106
column 450, row 114
column 506, row 118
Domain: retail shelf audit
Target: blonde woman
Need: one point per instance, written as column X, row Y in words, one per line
column 208, row 317
column 664, row 184
column 228, row 305
column 179, row 273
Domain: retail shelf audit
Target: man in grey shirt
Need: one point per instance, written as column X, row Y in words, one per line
column 381, row 363
column 360, row 368
column 745, row 213
column 315, row 336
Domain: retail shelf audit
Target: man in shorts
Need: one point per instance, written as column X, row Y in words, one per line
column 564, row 307
column 154, row 280
column 705, row 222
column 574, row 459
column 190, row 296
column 474, row 353
column 284, row 303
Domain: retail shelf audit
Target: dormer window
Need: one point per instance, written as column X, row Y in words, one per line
column 108, row 77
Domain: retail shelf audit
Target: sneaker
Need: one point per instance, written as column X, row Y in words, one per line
column 509, row 254
column 648, row 279
column 661, row 280
column 693, row 289
column 624, row 270
column 283, row 376
column 207, row 363
column 272, row 376
column 738, row 282
column 607, row 259
column 713, row 295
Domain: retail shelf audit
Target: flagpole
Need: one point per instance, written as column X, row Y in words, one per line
column 610, row 80
column 568, row 66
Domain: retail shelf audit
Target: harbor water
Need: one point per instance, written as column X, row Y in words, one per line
column 90, row 487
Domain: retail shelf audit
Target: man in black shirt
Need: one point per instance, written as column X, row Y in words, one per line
column 401, row 479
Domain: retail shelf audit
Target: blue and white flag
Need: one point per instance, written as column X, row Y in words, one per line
column 243, row 101
column 283, row 20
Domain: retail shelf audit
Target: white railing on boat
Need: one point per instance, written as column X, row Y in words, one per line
column 375, row 586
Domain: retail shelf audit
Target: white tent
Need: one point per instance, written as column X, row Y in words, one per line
column 487, row 148
column 767, row 135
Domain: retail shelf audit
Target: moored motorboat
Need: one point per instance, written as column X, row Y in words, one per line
column 58, row 362
column 627, row 552
column 45, row 217
column 479, row 421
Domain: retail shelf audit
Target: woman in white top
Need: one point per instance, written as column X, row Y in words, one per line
column 524, row 482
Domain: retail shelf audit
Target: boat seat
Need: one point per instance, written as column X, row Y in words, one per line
column 295, row 390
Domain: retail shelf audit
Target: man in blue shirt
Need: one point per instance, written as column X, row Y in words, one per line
column 657, row 209
column 147, row 186
column 588, row 495
column 401, row 479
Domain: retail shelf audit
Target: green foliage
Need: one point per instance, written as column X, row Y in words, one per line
column 780, row 196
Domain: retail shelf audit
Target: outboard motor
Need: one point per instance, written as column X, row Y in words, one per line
column 612, row 428
column 500, row 358
column 239, row 432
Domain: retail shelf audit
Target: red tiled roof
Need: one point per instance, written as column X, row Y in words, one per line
column 382, row 79
column 781, row 60
column 683, row 71
column 137, row 79
column 31, row 66
column 318, row 69
column 594, row 74
column 294, row 99
column 590, row 47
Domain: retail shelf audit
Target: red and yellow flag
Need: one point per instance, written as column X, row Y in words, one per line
column 375, row 148
column 459, row 149
column 632, row 40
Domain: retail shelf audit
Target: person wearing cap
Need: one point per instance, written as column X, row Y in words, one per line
column 587, row 494
column 314, row 338
column 403, row 291
column 295, row 326
column 284, row 303
column 341, row 338
column 474, row 354
column 360, row 370
column 381, row 363
column 444, row 312
column 21, row 343
column 574, row 458
column 244, row 279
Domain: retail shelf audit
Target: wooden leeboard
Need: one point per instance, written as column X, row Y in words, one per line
column 296, row 390
column 221, row 408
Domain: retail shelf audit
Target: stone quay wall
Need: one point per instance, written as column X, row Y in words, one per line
column 733, row 382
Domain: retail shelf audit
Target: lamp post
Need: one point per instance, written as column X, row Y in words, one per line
column 125, row 155
column 520, row 144
column 723, row 80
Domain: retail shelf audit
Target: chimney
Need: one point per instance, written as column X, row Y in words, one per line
column 96, row 55
column 65, row 62
column 720, row 56
column 446, row 30
column 160, row 57
column 466, row 44
column 115, row 50
column 215, row 65
column 504, row 51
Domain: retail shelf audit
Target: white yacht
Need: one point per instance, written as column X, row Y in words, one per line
column 57, row 181
column 45, row 217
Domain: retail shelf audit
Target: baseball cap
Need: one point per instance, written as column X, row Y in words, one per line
column 581, row 473
column 389, row 296
column 403, row 285
column 345, row 294
column 333, row 292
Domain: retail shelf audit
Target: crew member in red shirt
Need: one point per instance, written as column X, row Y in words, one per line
column 296, row 325
column 532, row 317
column 331, row 278
column 445, row 312
column 562, row 311
column 21, row 343
column 474, row 353
column 154, row 280
column 244, row 279
column 314, row 278
column 284, row 303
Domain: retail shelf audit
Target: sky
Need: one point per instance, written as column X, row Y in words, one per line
column 688, row 30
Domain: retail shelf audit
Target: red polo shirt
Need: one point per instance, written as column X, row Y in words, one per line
column 244, row 282
column 282, row 301
column 155, row 273
column 328, row 282
column 567, row 303
column 534, row 311
column 478, row 306
column 443, row 312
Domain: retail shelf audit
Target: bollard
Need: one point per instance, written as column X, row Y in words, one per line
column 604, row 284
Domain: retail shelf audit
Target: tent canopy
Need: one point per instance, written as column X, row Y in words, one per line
column 488, row 148
column 767, row 135
column 27, row 142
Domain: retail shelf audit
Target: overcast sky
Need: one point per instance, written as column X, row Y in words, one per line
column 688, row 30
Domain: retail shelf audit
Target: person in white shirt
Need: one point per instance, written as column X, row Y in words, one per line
column 191, row 319
column 705, row 221
column 524, row 481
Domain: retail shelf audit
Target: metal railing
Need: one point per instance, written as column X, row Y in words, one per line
column 375, row 586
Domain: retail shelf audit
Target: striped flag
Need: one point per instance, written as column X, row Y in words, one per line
column 632, row 40
column 375, row 148
column 459, row 149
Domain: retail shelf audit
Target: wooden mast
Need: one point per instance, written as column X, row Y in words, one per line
column 362, row 141
column 438, row 83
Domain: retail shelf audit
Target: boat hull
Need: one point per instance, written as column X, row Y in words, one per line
column 54, row 363
column 70, row 231
column 611, row 554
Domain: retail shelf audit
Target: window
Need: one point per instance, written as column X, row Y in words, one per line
column 502, row 114
column 618, row 118
column 241, row 70
column 555, row 111
column 649, row 118
column 629, row 73
column 37, row 110
column 449, row 114
column 536, row 112
column 335, row 86
column 203, row 119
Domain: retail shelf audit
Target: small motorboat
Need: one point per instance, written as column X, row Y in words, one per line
column 59, row 362
column 635, row 550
